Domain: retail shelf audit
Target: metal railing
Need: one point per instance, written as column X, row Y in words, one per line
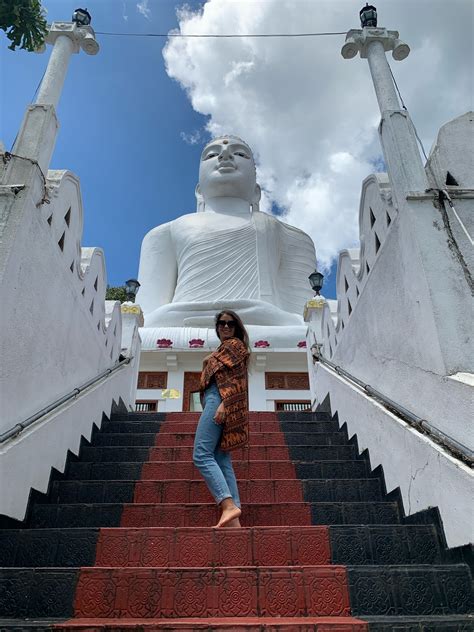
column 18, row 428
column 456, row 449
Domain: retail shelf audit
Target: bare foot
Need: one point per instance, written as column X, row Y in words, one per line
column 230, row 512
column 234, row 523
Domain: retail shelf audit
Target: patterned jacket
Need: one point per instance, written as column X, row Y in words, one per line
column 228, row 366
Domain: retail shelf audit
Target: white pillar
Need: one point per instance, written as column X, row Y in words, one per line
column 381, row 76
column 53, row 80
column 38, row 132
column 397, row 134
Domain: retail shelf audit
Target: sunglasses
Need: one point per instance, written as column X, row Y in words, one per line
column 226, row 323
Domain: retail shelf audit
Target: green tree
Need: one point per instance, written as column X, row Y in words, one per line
column 115, row 294
column 24, row 23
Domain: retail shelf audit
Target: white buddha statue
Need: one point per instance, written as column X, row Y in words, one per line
column 226, row 255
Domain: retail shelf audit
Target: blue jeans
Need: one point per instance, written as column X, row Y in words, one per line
column 214, row 464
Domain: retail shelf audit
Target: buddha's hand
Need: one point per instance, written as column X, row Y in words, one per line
column 219, row 417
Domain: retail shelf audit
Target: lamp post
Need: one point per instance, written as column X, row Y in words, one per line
column 396, row 130
column 316, row 280
column 131, row 289
column 67, row 38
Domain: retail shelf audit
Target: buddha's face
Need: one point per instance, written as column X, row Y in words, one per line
column 227, row 169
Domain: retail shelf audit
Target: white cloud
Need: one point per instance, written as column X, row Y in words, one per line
column 310, row 116
column 193, row 138
column 143, row 8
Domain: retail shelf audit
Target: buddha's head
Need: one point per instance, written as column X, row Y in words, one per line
column 227, row 169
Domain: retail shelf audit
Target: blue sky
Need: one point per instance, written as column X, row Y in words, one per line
column 122, row 117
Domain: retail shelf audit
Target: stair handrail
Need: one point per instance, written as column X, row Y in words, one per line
column 456, row 449
column 18, row 428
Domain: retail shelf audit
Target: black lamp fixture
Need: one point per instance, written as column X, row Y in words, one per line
column 131, row 289
column 368, row 16
column 316, row 280
column 81, row 17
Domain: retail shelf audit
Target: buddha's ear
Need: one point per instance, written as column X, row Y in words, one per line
column 256, row 198
column 200, row 200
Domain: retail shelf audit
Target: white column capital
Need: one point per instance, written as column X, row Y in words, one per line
column 359, row 41
column 81, row 37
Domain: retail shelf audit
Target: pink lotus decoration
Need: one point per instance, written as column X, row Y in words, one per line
column 196, row 343
column 262, row 343
column 164, row 343
column 302, row 344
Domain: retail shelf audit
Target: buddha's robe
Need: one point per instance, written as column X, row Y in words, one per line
column 201, row 263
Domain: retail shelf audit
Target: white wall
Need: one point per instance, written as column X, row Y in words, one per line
column 426, row 474
column 57, row 331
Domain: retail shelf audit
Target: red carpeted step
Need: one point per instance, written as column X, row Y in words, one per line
column 293, row 591
column 205, row 515
column 247, row 624
column 255, row 453
column 176, row 439
column 194, row 547
column 230, row 624
column 185, row 470
column 180, row 491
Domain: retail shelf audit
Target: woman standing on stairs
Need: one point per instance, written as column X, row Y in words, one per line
column 223, row 425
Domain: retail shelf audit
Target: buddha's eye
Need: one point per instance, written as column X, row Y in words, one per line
column 211, row 154
column 241, row 153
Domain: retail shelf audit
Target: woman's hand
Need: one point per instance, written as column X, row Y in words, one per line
column 219, row 417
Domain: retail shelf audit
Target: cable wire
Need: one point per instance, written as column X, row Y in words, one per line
column 225, row 35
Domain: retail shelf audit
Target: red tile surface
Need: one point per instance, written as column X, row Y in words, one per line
column 225, row 592
column 218, row 624
column 201, row 547
column 255, row 453
column 206, row 515
column 167, row 438
column 190, row 426
column 185, row 470
column 165, row 568
column 185, row 491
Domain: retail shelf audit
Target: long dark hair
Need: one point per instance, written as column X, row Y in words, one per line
column 240, row 331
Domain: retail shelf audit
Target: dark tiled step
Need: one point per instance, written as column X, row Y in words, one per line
column 349, row 513
column 309, row 426
column 104, row 471
column 341, row 490
column 300, row 416
column 208, row 624
column 166, row 515
column 140, row 454
column 392, row 544
column 125, row 439
column 37, row 592
column 440, row 623
column 89, row 491
column 48, row 547
column 186, row 470
column 410, row 590
column 194, row 546
column 332, row 469
column 128, row 417
column 91, row 515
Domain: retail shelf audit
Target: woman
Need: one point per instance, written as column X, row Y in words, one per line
column 223, row 424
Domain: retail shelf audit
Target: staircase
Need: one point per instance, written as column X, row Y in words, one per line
column 122, row 540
